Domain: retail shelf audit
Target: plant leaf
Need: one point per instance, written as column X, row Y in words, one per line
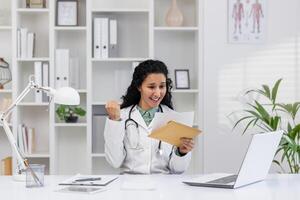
column 293, row 133
column 248, row 126
column 279, row 164
column 275, row 90
column 295, row 108
column 240, row 120
column 267, row 92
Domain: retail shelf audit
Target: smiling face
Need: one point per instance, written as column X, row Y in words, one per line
column 153, row 90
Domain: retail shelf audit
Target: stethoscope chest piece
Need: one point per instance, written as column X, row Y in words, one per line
column 160, row 152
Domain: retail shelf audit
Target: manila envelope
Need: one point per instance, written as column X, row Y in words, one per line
column 173, row 131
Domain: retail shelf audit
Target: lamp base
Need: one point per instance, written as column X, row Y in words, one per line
column 19, row 177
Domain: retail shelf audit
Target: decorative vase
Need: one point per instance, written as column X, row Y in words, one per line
column 71, row 119
column 174, row 16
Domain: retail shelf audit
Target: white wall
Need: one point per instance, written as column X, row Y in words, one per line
column 230, row 68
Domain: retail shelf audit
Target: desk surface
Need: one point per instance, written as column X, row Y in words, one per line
column 166, row 187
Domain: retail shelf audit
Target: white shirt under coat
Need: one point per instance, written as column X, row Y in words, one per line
column 137, row 153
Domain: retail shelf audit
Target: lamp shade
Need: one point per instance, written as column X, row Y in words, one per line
column 66, row 96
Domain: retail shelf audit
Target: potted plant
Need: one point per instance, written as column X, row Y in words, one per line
column 69, row 114
column 269, row 115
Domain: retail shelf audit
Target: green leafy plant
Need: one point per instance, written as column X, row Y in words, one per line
column 272, row 116
column 64, row 112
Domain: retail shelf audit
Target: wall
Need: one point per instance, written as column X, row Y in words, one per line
column 231, row 68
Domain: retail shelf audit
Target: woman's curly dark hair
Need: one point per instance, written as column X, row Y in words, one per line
column 132, row 96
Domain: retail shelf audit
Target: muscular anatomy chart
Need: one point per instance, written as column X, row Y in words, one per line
column 246, row 21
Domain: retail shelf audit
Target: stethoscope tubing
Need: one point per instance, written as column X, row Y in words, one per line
column 137, row 126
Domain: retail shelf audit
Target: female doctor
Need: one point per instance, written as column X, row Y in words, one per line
column 127, row 145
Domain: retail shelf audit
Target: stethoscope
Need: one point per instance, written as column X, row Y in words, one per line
column 131, row 121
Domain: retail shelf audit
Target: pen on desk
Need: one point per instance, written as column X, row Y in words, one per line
column 88, row 179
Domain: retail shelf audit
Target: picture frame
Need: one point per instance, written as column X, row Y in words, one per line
column 67, row 13
column 182, row 79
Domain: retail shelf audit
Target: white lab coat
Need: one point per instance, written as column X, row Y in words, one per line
column 137, row 153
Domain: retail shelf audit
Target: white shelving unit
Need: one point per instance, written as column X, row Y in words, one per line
column 32, row 104
column 6, row 52
column 28, row 112
column 76, row 28
column 5, row 28
column 32, row 10
column 162, row 28
column 142, row 34
column 118, row 59
column 32, row 59
column 37, row 155
column 71, row 124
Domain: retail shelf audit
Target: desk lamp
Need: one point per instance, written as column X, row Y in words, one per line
column 64, row 95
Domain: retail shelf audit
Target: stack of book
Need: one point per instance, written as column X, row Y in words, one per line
column 105, row 38
column 4, row 104
column 6, row 166
column 26, row 139
column 25, row 43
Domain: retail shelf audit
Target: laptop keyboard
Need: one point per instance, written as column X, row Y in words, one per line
column 224, row 180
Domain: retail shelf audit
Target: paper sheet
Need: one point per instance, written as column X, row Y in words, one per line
column 170, row 127
column 105, row 180
column 162, row 119
column 81, row 189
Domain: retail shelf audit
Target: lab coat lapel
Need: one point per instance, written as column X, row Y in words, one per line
column 136, row 115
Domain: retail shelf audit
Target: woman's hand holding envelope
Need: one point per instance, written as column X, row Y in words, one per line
column 186, row 146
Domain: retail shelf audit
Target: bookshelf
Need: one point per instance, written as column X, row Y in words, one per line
column 6, row 52
column 142, row 34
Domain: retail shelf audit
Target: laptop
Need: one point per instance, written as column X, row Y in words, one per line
column 255, row 166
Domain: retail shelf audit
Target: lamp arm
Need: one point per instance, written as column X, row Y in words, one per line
column 30, row 86
column 50, row 91
column 20, row 157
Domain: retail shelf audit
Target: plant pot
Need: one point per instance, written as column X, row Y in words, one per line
column 71, row 119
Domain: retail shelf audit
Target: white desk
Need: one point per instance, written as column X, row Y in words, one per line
column 281, row 187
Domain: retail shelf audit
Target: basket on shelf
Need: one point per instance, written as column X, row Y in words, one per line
column 5, row 73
